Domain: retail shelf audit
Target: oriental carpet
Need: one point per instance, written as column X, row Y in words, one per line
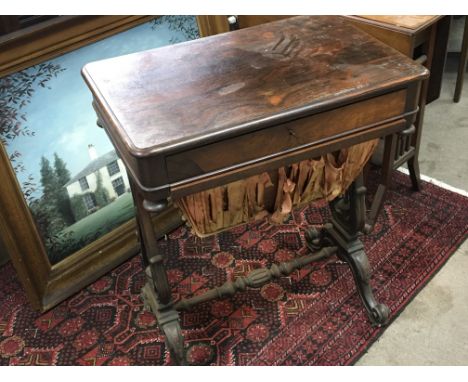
column 313, row 317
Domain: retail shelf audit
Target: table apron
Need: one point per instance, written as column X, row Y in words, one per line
column 231, row 174
column 285, row 137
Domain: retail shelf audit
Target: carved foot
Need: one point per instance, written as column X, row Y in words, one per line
column 357, row 260
column 168, row 322
column 174, row 337
column 380, row 315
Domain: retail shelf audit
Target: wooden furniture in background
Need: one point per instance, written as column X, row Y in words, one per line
column 462, row 64
column 210, row 25
column 411, row 35
column 416, row 37
column 280, row 80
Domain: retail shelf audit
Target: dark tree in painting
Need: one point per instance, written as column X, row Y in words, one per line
column 50, row 212
column 55, row 201
column 63, row 201
column 53, row 210
column 48, row 221
column 48, row 178
column 61, row 171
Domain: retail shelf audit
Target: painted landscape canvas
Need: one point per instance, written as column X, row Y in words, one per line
column 72, row 179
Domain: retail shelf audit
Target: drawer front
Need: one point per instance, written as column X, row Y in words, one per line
column 288, row 136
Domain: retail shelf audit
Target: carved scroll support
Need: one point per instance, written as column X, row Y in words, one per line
column 348, row 221
column 167, row 318
column 357, row 260
column 255, row 279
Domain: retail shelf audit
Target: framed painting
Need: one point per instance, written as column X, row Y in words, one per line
column 66, row 210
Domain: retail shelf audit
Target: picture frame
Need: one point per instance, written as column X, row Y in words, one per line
column 48, row 284
column 56, row 36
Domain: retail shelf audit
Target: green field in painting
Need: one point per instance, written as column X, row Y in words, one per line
column 104, row 220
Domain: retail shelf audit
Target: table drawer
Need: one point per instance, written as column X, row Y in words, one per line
column 288, row 136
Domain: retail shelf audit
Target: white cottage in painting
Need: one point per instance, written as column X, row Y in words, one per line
column 113, row 175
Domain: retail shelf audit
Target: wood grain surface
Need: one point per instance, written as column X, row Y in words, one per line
column 170, row 99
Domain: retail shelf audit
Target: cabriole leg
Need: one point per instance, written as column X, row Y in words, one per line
column 348, row 220
column 356, row 258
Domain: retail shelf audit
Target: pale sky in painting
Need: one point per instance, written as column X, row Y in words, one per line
column 62, row 117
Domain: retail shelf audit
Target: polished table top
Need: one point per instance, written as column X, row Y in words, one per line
column 176, row 97
column 196, row 115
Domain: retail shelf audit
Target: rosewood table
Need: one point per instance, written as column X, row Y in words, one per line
column 197, row 115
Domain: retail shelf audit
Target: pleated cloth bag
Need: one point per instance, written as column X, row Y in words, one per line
column 230, row 205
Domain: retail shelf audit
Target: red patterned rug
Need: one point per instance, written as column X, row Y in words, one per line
column 314, row 317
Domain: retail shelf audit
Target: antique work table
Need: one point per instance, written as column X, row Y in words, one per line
column 200, row 114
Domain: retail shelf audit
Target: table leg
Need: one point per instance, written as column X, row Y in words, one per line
column 348, row 219
column 385, row 180
column 156, row 293
column 462, row 64
column 415, row 175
